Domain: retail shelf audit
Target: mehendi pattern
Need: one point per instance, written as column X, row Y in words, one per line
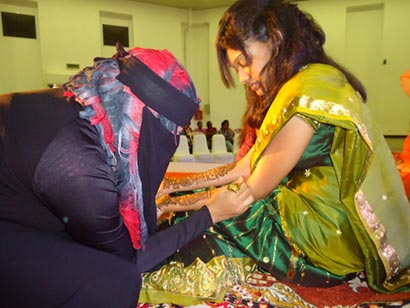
column 176, row 183
column 184, row 200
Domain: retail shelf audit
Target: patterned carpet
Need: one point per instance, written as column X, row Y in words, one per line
column 263, row 291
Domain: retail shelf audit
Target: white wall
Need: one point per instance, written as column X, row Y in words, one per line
column 73, row 33
column 393, row 105
column 21, row 64
column 224, row 103
column 69, row 32
column 196, row 42
column 390, row 104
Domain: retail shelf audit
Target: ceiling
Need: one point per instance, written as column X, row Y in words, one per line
column 195, row 4
column 191, row 4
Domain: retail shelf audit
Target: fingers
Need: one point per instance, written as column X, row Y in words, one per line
column 161, row 190
column 240, row 195
column 234, row 187
column 228, row 203
column 245, row 196
column 238, row 187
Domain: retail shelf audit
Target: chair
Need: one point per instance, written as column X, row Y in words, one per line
column 220, row 151
column 200, row 149
column 236, row 145
column 182, row 152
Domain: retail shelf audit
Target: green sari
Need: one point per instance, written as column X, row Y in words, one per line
column 340, row 211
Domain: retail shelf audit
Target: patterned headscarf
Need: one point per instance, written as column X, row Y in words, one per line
column 114, row 93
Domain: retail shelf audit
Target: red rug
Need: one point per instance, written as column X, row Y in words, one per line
column 263, row 291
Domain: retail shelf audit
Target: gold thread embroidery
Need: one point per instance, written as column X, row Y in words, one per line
column 336, row 109
column 386, row 252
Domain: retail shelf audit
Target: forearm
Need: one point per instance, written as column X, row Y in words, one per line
column 193, row 201
column 214, row 177
column 162, row 244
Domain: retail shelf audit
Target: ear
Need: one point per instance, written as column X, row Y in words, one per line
column 275, row 41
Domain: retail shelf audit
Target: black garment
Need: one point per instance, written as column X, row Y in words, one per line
column 62, row 239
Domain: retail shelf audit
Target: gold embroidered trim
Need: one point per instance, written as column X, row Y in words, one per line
column 202, row 280
column 334, row 109
column 386, row 252
column 312, row 123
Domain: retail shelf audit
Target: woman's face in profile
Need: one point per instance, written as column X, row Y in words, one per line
column 250, row 73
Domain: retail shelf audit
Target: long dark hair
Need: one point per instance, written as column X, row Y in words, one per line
column 296, row 38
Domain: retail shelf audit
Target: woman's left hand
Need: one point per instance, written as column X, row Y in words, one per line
column 230, row 201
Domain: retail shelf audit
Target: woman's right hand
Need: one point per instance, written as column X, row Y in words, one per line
column 226, row 203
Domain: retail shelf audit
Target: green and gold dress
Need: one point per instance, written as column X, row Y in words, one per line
column 340, row 211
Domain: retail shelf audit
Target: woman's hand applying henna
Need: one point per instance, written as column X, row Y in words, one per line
column 230, row 201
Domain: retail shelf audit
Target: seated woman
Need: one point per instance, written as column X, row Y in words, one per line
column 330, row 202
column 228, row 133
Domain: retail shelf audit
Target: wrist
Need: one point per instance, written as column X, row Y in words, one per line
column 215, row 213
column 212, row 214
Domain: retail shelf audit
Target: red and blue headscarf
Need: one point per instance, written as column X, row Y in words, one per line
column 116, row 93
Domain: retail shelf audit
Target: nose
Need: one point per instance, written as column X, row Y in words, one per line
column 243, row 75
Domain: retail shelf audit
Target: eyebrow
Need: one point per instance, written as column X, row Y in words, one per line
column 236, row 60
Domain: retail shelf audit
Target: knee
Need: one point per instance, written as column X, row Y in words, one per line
column 117, row 285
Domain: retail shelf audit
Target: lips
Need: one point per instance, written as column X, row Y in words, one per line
column 257, row 88
column 254, row 86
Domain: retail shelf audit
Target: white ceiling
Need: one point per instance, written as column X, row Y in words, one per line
column 196, row 4
column 192, row 4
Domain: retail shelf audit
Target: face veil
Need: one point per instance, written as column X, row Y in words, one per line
column 137, row 100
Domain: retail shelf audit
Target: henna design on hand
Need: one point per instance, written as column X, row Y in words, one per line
column 185, row 200
column 197, row 178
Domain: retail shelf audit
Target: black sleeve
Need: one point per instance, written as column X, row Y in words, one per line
column 78, row 186
column 163, row 244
